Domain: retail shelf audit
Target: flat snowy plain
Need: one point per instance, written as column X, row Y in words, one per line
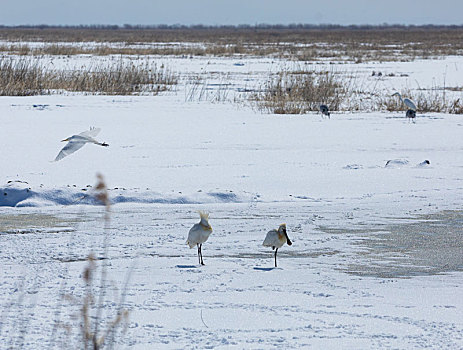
column 376, row 260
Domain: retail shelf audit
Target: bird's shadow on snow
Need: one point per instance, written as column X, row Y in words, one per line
column 265, row 268
column 187, row 266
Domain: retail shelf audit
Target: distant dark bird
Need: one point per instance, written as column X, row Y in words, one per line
column 411, row 114
column 325, row 110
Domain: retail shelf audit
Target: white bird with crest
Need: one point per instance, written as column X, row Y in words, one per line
column 276, row 239
column 199, row 234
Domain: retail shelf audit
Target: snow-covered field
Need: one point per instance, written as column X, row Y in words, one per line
column 376, row 260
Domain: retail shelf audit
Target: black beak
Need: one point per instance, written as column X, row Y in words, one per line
column 288, row 241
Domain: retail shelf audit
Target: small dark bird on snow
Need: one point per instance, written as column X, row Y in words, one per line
column 325, row 110
column 411, row 114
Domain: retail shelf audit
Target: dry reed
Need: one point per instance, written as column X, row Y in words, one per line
column 26, row 76
column 433, row 100
column 300, row 42
column 299, row 92
column 96, row 333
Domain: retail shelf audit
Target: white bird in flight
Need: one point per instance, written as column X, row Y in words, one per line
column 76, row 142
column 276, row 239
column 409, row 103
column 199, row 234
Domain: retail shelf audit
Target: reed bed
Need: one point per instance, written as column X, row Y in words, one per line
column 432, row 100
column 290, row 92
column 27, row 76
column 299, row 92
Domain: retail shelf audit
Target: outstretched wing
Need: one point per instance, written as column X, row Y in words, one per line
column 90, row 133
column 71, row 147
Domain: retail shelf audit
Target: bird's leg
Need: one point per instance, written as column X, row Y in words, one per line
column 201, row 252
column 276, row 257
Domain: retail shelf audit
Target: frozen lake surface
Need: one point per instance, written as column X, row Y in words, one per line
column 360, row 285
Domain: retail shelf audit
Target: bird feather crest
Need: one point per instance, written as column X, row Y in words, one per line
column 203, row 215
column 204, row 222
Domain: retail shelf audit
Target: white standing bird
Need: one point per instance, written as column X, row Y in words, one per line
column 199, row 234
column 409, row 103
column 76, row 142
column 276, row 239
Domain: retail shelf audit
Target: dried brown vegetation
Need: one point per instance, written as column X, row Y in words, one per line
column 353, row 43
column 106, row 49
column 22, row 77
column 299, row 92
column 197, row 88
column 97, row 330
column 291, row 92
column 433, row 100
column 27, row 76
column 286, row 92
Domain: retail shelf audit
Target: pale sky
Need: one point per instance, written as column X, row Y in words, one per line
column 216, row 12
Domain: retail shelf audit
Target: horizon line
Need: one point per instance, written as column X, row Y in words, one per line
column 235, row 26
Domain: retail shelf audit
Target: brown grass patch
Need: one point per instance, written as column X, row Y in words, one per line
column 299, row 92
column 300, row 42
column 433, row 100
column 27, row 76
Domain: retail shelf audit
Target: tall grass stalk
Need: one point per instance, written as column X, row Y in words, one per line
column 95, row 333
